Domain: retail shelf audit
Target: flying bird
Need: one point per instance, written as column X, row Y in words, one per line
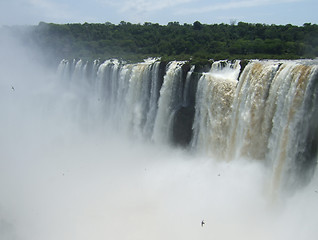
column 202, row 223
column 12, row 88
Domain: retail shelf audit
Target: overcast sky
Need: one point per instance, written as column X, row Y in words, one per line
column 30, row 12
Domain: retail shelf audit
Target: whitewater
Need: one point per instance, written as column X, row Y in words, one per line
column 113, row 150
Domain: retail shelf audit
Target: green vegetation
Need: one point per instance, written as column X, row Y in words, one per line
column 199, row 42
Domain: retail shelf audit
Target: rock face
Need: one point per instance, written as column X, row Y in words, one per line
column 182, row 126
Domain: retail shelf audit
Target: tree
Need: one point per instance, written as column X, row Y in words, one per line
column 175, row 41
column 197, row 25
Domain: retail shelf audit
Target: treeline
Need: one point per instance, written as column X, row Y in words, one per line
column 177, row 41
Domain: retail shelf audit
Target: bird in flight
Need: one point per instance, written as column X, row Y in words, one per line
column 202, row 223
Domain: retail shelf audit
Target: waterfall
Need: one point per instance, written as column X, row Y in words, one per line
column 292, row 122
column 141, row 98
column 187, row 88
column 248, row 137
column 214, row 99
column 153, row 99
column 170, row 99
column 266, row 111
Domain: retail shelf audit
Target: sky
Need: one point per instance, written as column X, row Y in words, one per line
column 31, row 12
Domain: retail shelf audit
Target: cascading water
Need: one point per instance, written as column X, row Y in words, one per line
column 287, row 147
column 247, row 136
column 265, row 112
column 213, row 107
column 169, row 101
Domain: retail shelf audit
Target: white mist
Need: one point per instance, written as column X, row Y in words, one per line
column 65, row 176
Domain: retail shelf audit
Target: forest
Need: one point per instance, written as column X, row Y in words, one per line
column 196, row 42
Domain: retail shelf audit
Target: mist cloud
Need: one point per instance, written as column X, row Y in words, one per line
column 65, row 176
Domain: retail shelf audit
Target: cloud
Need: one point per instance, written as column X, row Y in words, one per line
column 143, row 10
column 233, row 5
column 148, row 6
column 50, row 9
column 32, row 11
column 143, row 6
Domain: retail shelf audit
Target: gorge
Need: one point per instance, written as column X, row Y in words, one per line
column 114, row 150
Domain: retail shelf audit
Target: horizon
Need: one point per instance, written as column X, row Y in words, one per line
column 234, row 23
column 279, row 12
